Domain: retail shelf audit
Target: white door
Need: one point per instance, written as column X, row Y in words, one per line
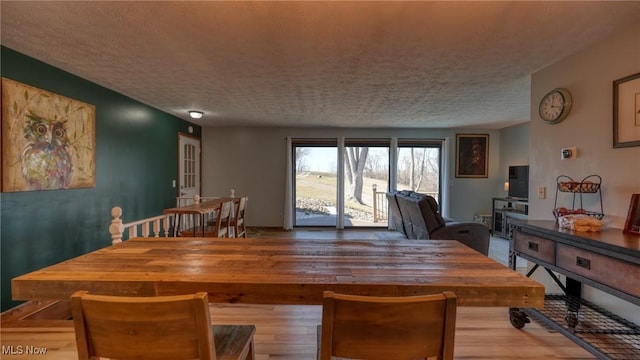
column 188, row 165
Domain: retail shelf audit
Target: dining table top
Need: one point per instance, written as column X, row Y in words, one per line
column 204, row 207
column 284, row 271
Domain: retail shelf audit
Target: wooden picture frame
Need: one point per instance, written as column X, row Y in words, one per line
column 48, row 140
column 472, row 155
column 626, row 111
column 632, row 225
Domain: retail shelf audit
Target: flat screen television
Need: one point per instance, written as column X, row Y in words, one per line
column 519, row 181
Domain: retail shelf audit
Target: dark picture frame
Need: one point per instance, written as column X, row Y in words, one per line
column 632, row 225
column 472, row 155
column 626, row 111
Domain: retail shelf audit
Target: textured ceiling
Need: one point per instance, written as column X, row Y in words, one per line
column 343, row 64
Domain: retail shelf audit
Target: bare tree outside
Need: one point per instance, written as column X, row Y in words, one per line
column 355, row 160
column 301, row 159
column 418, row 162
column 418, row 168
column 377, row 165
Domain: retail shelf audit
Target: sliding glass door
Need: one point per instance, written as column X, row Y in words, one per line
column 346, row 186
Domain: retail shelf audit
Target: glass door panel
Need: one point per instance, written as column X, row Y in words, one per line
column 316, row 185
column 366, row 182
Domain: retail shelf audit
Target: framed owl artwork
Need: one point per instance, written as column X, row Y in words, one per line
column 48, row 140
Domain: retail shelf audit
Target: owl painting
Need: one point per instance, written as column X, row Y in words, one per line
column 48, row 140
column 46, row 162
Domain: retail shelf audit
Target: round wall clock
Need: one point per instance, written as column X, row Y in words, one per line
column 555, row 106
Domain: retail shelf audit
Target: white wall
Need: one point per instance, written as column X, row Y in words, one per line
column 589, row 76
column 514, row 150
column 514, row 147
column 252, row 161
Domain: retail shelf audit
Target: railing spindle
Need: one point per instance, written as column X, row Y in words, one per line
column 156, row 228
column 145, row 230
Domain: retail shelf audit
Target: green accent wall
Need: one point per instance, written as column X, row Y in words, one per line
column 136, row 162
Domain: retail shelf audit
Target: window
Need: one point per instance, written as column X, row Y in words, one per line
column 356, row 196
column 419, row 164
column 189, row 180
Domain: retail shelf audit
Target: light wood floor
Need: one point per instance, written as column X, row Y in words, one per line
column 287, row 332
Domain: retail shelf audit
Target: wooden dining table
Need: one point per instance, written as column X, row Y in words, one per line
column 284, row 271
column 200, row 209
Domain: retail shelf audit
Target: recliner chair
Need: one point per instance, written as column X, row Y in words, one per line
column 421, row 219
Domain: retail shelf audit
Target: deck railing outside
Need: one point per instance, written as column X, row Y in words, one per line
column 380, row 205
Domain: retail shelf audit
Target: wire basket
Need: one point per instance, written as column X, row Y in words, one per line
column 590, row 184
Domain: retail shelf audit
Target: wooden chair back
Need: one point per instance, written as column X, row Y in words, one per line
column 239, row 228
column 162, row 327
column 367, row 327
column 223, row 220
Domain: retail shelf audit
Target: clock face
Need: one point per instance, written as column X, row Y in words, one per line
column 555, row 106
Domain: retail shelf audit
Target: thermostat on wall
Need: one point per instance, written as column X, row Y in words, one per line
column 569, row 153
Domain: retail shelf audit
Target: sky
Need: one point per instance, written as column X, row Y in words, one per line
column 323, row 159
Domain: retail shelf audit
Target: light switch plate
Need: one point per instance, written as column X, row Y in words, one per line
column 542, row 192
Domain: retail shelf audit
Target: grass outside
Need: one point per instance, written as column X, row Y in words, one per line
column 320, row 188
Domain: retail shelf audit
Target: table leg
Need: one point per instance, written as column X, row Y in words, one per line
column 573, row 290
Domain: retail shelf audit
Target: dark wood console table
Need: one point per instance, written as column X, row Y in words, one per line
column 608, row 260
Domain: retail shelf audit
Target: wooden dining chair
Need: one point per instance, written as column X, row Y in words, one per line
column 222, row 225
column 229, row 222
column 237, row 222
column 402, row 328
column 161, row 327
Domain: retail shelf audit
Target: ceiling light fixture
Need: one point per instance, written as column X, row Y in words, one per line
column 195, row 114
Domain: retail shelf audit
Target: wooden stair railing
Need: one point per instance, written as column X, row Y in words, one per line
column 149, row 227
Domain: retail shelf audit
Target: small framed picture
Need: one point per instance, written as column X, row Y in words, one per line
column 632, row 225
column 472, row 155
column 626, row 111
